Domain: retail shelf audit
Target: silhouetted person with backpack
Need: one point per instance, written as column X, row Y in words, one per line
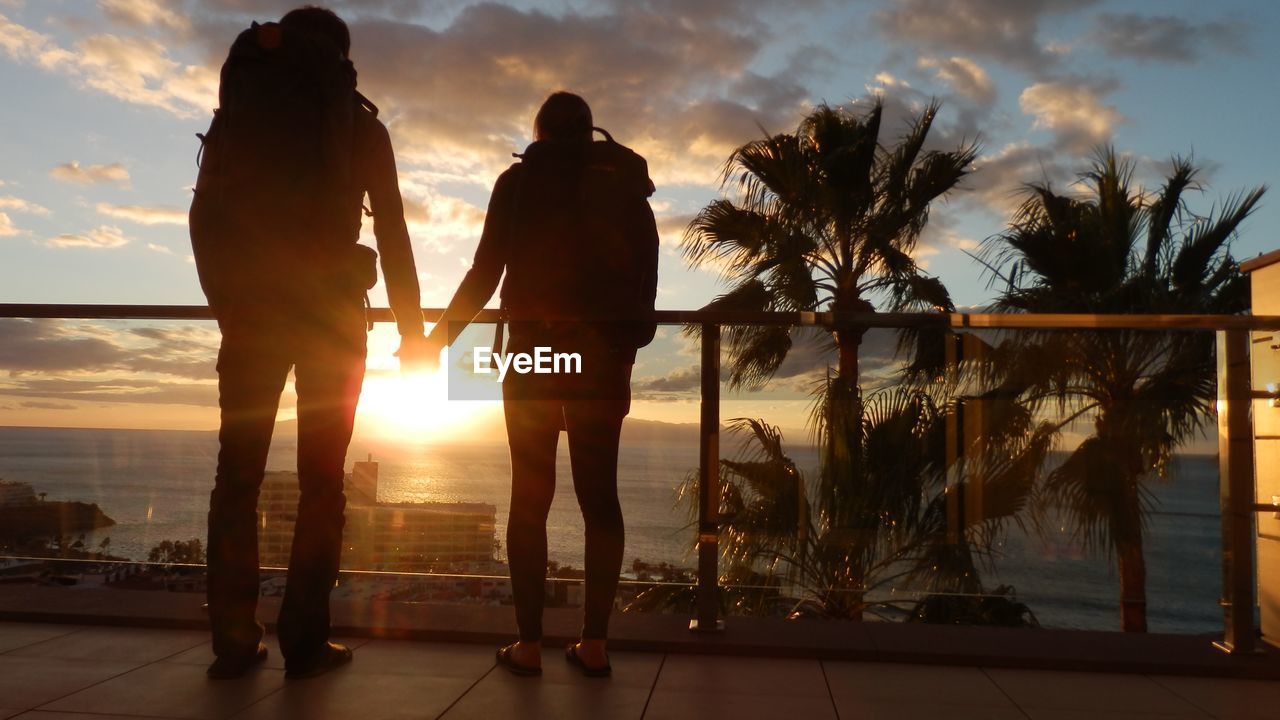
column 286, row 163
column 571, row 227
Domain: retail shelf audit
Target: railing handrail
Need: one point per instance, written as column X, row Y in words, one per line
column 1005, row 321
column 1235, row 431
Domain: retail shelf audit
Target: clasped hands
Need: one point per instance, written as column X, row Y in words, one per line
column 420, row 353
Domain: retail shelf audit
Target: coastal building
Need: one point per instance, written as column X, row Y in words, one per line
column 390, row 537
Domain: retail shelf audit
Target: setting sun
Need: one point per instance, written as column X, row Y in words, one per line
column 417, row 408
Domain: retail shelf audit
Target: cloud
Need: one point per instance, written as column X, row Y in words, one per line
column 139, row 70
column 104, row 237
column 7, row 228
column 25, row 45
column 134, row 69
column 41, row 405
column 962, row 75
column 43, row 348
column 163, row 250
column 144, row 215
column 16, row 204
column 116, row 390
column 998, row 180
column 669, row 79
column 1003, row 30
column 1165, row 37
column 1073, row 110
column 145, row 13
column 73, row 172
column 671, row 226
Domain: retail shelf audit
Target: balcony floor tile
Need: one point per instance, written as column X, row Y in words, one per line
column 1242, row 699
column 909, row 709
column 743, row 676
column 347, row 695
column 1095, row 692
column 18, row 635
column 172, row 690
column 118, row 644
column 202, row 654
column 716, row 703
column 426, row 659
column 1050, row 714
column 503, row 695
column 46, row 715
column 27, row 683
column 937, row 684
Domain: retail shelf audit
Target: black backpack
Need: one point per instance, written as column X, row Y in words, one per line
column 581, row 267
column 280, row 206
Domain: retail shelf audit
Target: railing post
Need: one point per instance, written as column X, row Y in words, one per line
column 708, row 616
column 1235, row 480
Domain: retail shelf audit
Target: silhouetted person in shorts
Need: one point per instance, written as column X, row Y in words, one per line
column 571, row 227
column 287, row 161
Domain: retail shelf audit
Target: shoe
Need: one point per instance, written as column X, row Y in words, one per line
column 571, row 655
column 508, row 662
column 331, row 655
column 230, row 667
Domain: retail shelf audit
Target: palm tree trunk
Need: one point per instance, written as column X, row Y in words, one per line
column 1133, row 586
column 849, row 359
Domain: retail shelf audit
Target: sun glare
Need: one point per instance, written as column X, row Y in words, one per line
column 416, row 408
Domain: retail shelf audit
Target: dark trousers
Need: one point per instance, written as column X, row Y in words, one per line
column 327, row 355
column 536, row 411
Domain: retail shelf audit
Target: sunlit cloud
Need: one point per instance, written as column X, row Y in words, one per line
column 1073, row 110
column 145, row 13
column 962, row 75
column 28, row 46
column 144, row 215
column 133, row 69
column 104, row 237
column 17, row 204
column 7, row 228
column 74, row 172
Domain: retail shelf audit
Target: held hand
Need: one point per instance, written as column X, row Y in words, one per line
column 419, row 354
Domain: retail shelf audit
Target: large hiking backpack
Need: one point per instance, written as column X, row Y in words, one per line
column 582, row 263
column 277, row 211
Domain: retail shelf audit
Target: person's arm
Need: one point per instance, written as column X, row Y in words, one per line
column 392, row 235
column 486, row 268
column 207, row 224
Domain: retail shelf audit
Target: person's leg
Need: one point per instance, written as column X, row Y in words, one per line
column 252, row 370
column 328, row 377
column 533, row 430
column 594, row 429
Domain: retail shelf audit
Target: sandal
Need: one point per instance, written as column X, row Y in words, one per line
column 571, row 655
column 505, row 660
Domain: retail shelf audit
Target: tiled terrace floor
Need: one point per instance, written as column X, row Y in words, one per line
column 61, row 672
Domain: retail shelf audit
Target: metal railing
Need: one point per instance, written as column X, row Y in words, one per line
column 1235, row 393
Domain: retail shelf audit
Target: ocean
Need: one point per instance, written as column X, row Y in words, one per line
column 155, row 484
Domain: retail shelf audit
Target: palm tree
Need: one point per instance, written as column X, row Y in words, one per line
column 1117, row 249
column 827, row 219
column 894, row 525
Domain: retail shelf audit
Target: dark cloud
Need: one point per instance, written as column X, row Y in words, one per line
column 41, row 405
column 1165, row 37
column 53, row 346
column 1003, row 30
column 115, row 390
column 42, row 345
